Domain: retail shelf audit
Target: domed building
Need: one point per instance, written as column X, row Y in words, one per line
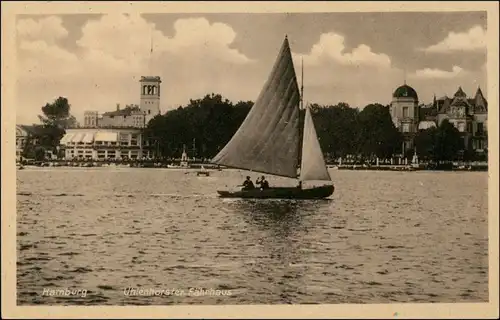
column 468, row 115
column 405, row 113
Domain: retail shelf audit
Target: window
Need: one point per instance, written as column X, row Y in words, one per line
column 480, row 128
column 469, row 127
column 149, row 111
column 405, row 112
column 406, row 127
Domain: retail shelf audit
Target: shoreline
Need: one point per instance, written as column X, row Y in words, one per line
column 213, row 167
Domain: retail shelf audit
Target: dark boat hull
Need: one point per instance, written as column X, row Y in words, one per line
column 281, row 193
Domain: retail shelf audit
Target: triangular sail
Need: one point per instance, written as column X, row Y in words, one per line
column 268, row 139
column 313, row 165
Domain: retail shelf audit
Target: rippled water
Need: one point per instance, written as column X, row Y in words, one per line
column 382, row 237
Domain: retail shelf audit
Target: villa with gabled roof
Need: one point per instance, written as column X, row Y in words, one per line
column 468, row 114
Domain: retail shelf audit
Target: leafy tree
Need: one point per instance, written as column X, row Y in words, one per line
column 132, row 107
column 377, row 135
column 425, row 142
column 55, row 119
column 336, row 127
column 448, row 141
column 440, row 144
column 39, row 153
column 469, row 154
column 57, row 114
column 210, row 122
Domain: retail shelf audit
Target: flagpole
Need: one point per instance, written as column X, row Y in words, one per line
column 151, row 52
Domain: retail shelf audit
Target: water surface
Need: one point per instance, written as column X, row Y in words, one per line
column 382, row 237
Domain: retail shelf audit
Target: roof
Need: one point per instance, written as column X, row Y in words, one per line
column 151, row 78
column 127, row 111
column 122, row 112
column 405, row 91
column 479, row 102
column 66, row 138
column 423, row 125
column 106, row 136
column 35, row 130
column 89, row 137
column 460, row 93
column 445, row 106
column 427, row 112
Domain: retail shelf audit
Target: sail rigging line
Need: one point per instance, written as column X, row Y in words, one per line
column 302, row 84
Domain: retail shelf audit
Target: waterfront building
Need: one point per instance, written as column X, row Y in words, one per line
column 468, row 114
column 116, row 134
column 104, row 144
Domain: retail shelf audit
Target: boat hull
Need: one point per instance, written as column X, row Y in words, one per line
column 281, row 193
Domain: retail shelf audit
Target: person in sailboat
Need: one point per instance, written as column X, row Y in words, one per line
column 263, row 183
column 247, row 184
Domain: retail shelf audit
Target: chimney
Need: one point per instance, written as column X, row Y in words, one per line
column 117, row 107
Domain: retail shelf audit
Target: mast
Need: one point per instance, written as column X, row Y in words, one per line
column 301, row 119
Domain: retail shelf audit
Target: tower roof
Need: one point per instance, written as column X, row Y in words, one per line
column 405, row 91
column 480, row 103
column 460, row 93
column 445, row 106
column 150, row 78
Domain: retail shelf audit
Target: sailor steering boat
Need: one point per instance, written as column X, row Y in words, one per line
column 273, row 140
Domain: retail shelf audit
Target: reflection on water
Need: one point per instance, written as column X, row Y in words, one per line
column 382, row 237
column 284, row 222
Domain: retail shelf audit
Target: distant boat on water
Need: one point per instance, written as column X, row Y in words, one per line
column 273, row 140
column 203, row 172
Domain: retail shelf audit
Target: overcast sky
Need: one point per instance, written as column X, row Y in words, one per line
column 359, row 58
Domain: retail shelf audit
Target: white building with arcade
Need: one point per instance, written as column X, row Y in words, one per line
column 116, row 134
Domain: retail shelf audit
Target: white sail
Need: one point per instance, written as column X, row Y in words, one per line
column 313, row 165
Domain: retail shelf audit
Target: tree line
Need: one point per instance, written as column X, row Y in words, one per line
column 205, row 125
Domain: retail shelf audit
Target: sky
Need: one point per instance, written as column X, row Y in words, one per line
column 97, row 60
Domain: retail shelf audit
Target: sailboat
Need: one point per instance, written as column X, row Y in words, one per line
column 273, row 140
